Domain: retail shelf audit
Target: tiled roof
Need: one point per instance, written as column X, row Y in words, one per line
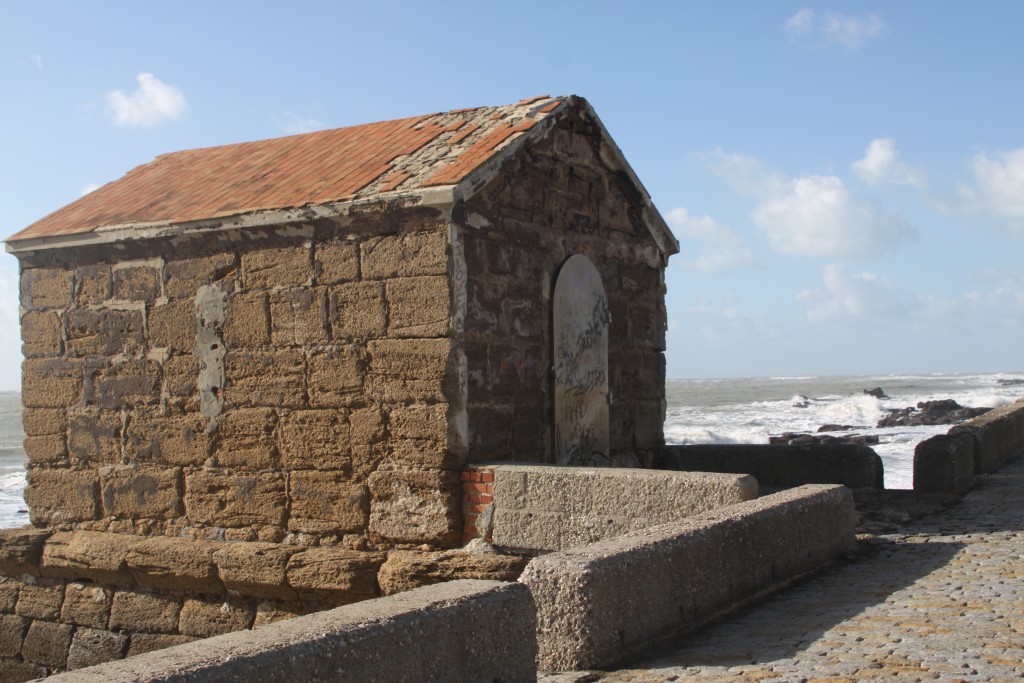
column 300, row 170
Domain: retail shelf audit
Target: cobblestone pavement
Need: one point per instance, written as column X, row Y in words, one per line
column 941, row 600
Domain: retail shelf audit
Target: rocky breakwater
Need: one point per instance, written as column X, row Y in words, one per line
column 926, row 413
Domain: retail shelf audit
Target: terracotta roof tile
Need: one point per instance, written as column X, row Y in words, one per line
column 299, row 170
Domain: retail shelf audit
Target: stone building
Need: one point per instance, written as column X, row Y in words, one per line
column 300, row 342
column 312, row 334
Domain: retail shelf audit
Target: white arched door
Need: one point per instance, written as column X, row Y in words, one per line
column 580, row 325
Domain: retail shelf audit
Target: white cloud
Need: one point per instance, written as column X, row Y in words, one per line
column 153, row 102
column 38, row 59
column 800, row 23
column 833, row 29
column 293, row 124
column 881, row 165
column 999, row 187
column 812, row 215
column 857, row 295
column 90, row 187
column 721, row 249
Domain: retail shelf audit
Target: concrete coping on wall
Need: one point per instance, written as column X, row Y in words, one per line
column 601, row 603
column 539, row 508
column 782, row 466
column 998, row 436
column 466, row 630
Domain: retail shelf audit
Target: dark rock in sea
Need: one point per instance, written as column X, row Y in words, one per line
column 943, row 412
column 805, row 439
column 876, row 392
column 1010, row 382
column 837, row 428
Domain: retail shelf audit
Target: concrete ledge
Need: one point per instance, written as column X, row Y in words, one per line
column 998, row 436
column 543, row 508
column 464, row 630
column 601, row 603
column 779, row 466
column 944, row 464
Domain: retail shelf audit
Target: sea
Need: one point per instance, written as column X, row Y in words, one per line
column 711, row 411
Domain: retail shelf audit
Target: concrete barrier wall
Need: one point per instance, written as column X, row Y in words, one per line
column 543, row 508
column 781, row 466
column 998, row 436
column 944, row 464
column 464, row 630
column 603, row 602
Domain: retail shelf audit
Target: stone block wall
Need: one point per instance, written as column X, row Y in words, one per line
column 560, row 199
column 293, row 384
column 74, row 599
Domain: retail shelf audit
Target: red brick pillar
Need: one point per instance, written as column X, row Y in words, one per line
column 477, row 496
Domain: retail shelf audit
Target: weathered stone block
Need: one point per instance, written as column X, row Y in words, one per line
column 46, row 450
column 136, row 282
column 148, row 642
column 335, row 375
column 298, row 317
column 17, row 670
column 173, row 326
column 335, row 575
column 92, row 284
column 369, row 441
column 491, row 431
column 92, row 555
column 227, row 499
column 61, row 496
column 205, row 618
column 315, row 439
column 184, row 277
column 136, row 611
column 180, row 375
column 415, row 506
column 12, row 633
column 168, row 563
column 8, row 594
column 423, row 253
column 409, row 569
column 180, row 440
column 265, row 378
column 336, row 262
column 269, row 612
column 41, row 334
column 282, row 267
column 47, row 644
column 91, row 646
column 413, row 370
column 422, row 434
column 128, row 384
column 21, row 550
column 43, row 421
column 51, row 382
column 357, row 310
column 95, row 435
column 141, row 492
column 86, row 605
column 247, row 321
column 257, row 569
column 245, row 439
column 326, row 502
column 40, row 602
column 103, row 332
column 46, row 288
column 419, row 306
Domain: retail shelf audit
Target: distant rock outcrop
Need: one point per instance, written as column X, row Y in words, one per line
column 805, row 439
column 943, row 412
column 877, row 392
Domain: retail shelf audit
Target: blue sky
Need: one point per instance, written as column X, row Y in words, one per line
column 846, row 179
